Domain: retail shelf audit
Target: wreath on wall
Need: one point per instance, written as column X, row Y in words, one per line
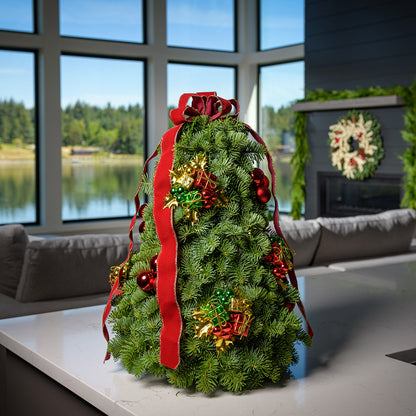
column 356, row 145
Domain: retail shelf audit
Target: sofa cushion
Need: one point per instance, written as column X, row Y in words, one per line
column 364, row 236
column 13, row 241
column 70, row 266
column 302, row 237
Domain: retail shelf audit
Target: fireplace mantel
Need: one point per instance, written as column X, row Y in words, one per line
column 350, row 103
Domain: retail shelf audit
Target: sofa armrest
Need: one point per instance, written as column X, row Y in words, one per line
column 13, row 242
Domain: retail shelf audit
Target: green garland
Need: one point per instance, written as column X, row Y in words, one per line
column 301, row 155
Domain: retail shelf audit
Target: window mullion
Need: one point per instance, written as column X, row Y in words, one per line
column 50, row 172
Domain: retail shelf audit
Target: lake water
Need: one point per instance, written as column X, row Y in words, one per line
column 93, row 190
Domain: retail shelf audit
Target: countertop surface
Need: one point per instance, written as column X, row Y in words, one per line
column 358, row 317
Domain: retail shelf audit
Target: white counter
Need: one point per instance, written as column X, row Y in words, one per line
column 358, row 317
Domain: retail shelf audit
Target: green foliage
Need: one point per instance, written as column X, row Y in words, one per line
column 117, row 130
column 224, row 249
column 299, row 159
column 16, row 123
column 301, row 155
column 409, row 155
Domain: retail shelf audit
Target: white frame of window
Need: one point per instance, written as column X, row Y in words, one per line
column 49, row 46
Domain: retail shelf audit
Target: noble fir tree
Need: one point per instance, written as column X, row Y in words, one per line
column 238, row 328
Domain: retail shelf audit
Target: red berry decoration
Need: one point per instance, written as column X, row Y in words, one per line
column 146, row 280
column 141, row 227
column 153, row 263
column 280, row 270
column 263, row 194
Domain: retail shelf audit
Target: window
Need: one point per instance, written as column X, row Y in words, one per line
column 204, row 25
column 280, row 86
column 17, row 137
column 120, row 20
column 185, row 78
column 16, row 15
column 281, row 23
column 92, row 95
column 102, row 136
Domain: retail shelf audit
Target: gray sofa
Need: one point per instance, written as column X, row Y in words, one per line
column 328, row 241
column 46, row 274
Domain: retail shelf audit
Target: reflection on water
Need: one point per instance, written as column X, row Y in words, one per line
column 99, row 190
column 94, row 190
column 17, row 192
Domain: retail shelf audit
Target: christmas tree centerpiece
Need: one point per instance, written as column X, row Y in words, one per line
column 208, row 299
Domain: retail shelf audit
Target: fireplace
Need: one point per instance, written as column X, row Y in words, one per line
column 341, row 197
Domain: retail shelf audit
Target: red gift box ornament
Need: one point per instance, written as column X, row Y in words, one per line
column 240, row 323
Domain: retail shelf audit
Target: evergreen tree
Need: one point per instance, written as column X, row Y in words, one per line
column 236, row 303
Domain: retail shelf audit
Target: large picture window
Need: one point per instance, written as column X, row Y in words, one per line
column 102, row 136
column 185, row 78
column 280, row 86
column 120, row 20
column 281, row 23
column 85, row 86
column 18, row 179
column 202, row 25
column 17, row 15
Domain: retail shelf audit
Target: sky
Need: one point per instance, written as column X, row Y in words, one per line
column 190, row 23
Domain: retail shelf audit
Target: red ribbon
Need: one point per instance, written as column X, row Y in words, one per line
column 202, row 104
column 166, row 261
column 292, row 274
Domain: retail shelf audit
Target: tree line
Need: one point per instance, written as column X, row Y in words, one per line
column 115, row 130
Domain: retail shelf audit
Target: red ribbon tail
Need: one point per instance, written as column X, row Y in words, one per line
column 166, row 265
column 292, row 274
column 115, row 290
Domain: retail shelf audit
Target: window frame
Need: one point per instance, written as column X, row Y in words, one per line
column 49, row 46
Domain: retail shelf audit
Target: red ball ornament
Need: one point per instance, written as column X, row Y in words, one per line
column 266, row 181
column 141, row 227
column 263, row 194
column 141, row 210
column 145, row 281
column 153, row 263
column 258, row 176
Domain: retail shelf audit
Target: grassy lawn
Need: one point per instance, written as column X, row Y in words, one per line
column 10, row 152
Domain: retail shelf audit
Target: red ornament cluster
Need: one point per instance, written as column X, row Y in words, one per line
column 147, row 280
column 276, row 257
column 261, row 181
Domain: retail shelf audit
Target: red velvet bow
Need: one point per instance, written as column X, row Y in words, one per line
column 203, row 103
